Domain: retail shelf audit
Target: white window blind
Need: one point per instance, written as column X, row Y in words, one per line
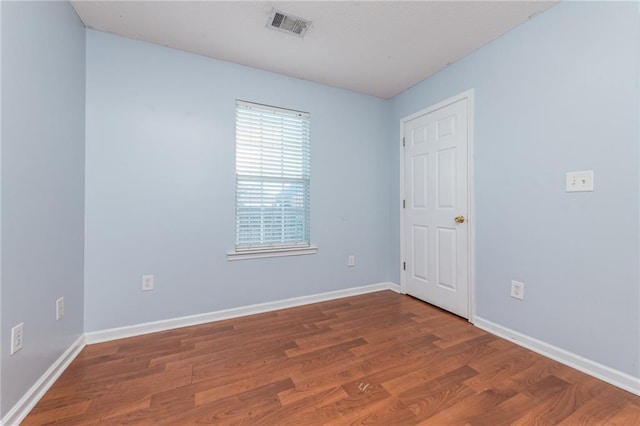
column 272, row 178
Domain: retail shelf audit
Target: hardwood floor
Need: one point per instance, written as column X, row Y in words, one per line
column 380, row 358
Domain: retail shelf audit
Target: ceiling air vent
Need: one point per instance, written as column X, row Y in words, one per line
column 288, row 23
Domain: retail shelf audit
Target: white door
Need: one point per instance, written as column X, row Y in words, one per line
column 435, row 227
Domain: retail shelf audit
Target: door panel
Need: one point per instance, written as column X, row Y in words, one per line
column 446, row 178
column 447, row 256
column 436, row 179
column 419, row 178
column 420, row 248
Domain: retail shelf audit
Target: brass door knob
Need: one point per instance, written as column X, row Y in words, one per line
column 459, row 219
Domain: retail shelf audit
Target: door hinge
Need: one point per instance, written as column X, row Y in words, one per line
column 404, row 204
column 403, row 141
column 404, row 266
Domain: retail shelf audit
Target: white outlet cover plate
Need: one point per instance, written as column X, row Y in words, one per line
column 517, row 290
column 579, row 181
column 147, row 282
column 59, row 308
column 17, row 338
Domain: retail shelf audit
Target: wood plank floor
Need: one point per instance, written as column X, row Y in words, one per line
column 380, row 358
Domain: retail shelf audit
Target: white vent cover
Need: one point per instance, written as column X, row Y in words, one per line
column 288, row 23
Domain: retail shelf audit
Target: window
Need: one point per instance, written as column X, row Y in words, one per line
column 272, row 180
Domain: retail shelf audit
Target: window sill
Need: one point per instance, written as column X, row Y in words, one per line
column 258, row 254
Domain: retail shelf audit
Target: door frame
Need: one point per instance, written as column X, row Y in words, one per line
column 471, row 271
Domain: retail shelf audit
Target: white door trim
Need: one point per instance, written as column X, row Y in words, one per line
column 468, row 94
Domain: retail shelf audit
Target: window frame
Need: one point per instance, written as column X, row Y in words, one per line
column 259, row 249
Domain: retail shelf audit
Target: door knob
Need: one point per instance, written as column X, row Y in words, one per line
column 459, row 219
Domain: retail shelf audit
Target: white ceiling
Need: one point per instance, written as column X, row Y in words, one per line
column 375, row 47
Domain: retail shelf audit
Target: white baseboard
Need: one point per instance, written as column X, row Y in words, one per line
column 615, row 377
column 152, row 327
column 40, row 387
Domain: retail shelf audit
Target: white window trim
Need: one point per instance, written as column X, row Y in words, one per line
column 259, row 254
column 281, row 250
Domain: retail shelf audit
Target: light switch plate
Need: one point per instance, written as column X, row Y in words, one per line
column 579, row 181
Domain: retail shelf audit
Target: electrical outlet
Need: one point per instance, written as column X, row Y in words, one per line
column 579, row 181
column 517, row 290
column 17, row 335
column 147, row 282
column 352, row 260
column 59, row 308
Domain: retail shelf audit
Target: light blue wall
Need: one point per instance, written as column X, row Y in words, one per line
column 559, row 93
column 2, row 335
column 43, row 63
column 160, row 181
